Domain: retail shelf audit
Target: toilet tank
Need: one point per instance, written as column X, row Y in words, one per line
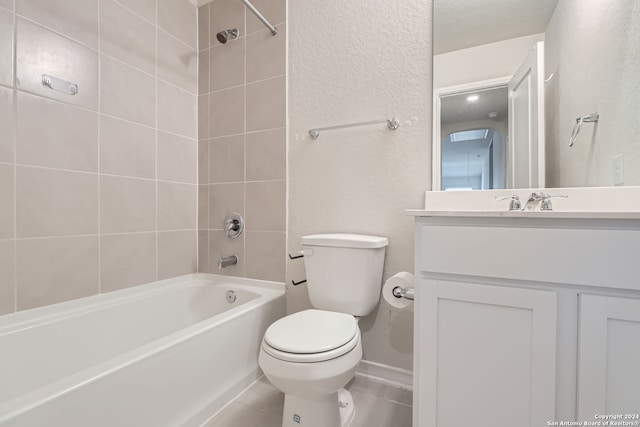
column 344, row 271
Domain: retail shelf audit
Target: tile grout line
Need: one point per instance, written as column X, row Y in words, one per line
column 14, row 95
column 99, row 148
column 156, row 148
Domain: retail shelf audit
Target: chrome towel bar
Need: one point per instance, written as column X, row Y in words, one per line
column 392, row 124
column 589, row 118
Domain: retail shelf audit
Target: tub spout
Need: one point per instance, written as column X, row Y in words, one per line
column 227, row 261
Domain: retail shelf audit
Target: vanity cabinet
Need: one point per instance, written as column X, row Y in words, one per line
column 525, row 321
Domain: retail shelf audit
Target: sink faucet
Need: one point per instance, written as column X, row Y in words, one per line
column 545, row 199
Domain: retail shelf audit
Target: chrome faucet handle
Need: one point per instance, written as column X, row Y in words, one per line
column 514, row 205
column 533, row 197
column 545, row 205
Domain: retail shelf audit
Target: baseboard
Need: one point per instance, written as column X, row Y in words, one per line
column 385, row 374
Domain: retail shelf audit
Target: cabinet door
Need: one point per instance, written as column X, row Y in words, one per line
column 608, row 357
column 486, row 355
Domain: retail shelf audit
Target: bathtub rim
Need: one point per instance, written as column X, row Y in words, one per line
column 15, row 407
column 12, row 322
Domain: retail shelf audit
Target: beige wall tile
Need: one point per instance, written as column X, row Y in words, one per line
column 203, row 72
column 177, row 206
column 266, row 104
column 203, row 116
column 266, row 205
column 177, row 158
column 226, row 162
column 7, row 4
column 176, row 111
column 127, row 260
column 127, row 205
column 7, row 278
column 127, row 93
column 66, row 137
column 6, row 47
column 266, row 54
column 203, row 207
column 226, row 64
column 223, row 200
column 265, row 254
column 40, row 51
column 203, row 162
column 179, row 18
column 126, row 148
column 55, row 203
column 145, row 8
column 227, row 112
column 56, row 270
column 222, row 246
column 176, row 253
column 203, row 251
column 266, row 155
column 75, row 19
column 274, row 10
column 7, row 192
column 177, row 62
column 8, row 139
column 203, row 27
column 127, row 36
column 226, row 15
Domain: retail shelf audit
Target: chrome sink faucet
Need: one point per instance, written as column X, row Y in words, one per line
column 545, row 200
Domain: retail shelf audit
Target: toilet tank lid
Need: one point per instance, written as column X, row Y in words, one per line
column 340, row 240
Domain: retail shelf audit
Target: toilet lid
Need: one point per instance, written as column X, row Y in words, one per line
column 311, row 331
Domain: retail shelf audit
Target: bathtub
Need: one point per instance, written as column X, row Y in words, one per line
column 168, row 353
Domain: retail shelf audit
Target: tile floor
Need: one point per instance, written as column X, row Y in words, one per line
column 377, row 405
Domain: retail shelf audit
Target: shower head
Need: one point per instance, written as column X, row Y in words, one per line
column 224, row 36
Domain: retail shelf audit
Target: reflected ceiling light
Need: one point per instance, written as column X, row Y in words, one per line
column 473, row 98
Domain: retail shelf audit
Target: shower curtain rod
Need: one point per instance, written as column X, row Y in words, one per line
column 255, row 11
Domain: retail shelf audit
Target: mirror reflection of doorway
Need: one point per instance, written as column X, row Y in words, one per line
column 474, row 128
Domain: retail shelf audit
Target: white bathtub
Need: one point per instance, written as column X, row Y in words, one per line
column 169, row 353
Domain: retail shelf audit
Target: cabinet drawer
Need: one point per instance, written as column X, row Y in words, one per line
column 580, row 256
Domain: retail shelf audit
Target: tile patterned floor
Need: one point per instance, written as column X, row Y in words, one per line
column 376, row 404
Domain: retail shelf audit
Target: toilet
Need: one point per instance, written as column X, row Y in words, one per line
column 312, row 354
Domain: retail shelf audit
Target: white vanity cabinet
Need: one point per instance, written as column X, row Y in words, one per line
column 525, row 321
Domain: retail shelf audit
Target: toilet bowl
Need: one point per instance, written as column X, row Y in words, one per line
column 312, row 354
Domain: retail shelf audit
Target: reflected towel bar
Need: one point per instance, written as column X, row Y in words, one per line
column 392, row 124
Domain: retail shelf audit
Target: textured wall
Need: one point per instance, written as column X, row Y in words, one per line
column 97, row 190
column 592, row 50
column 350, row 62
column 242, row 138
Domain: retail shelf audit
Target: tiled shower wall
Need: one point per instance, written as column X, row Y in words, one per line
column 242, row 138
column 98, row 191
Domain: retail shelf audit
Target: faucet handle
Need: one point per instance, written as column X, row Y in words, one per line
column 514, row 205
column 545, row 205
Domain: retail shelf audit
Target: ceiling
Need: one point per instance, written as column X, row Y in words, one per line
column 460, row 24
column 455, row 108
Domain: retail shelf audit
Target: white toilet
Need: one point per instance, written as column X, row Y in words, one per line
column 311, row 355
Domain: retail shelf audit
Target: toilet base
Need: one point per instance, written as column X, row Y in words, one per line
column 333, row 410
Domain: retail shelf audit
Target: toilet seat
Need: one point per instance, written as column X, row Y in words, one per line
column 311, row 336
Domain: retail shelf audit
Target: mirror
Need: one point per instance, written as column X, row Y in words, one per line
column 590, row 65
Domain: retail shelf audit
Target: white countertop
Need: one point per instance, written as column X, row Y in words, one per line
column 523, row 214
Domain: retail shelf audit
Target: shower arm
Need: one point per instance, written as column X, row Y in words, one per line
column 255, row 11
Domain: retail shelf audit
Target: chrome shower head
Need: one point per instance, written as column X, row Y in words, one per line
column 224, row 36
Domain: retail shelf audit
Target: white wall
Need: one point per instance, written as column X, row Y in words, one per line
column 350, row 62
column 485, row 62
column 592, row 49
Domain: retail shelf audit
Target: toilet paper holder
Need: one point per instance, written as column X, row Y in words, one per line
column 400, row 292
